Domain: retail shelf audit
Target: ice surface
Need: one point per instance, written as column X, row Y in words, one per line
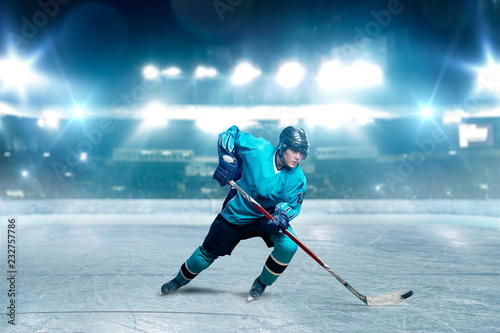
column 77, row 275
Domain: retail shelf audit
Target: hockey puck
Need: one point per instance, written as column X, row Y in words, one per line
column 407, row 294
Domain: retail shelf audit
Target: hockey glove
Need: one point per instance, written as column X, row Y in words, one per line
column 227, row 170
column 280, row 225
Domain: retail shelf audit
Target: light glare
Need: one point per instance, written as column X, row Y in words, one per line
column 171, row 72
column 155, row 115
column 426, row 112
column 205, row 72
column 290, row 74
column 335, row 75
column 17, row 74
column 488, row 78
column 78, row 111
column 49, row 120
column 245, row 73
column 150, row 72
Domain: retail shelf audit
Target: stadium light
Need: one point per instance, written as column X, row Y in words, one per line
column 290, row 74
column 363, row 120
column 488, row 78
column 328, row 76
column 324, row 118
column 334, row 75
column 155, row 115
column 366, row 74
column 17, row 74
column 426, row 112
column 78, row 111
column 454, row 116
column 245, row 73
column 210, row 125
column 338, row 115
column 171, row 72
column 150, row 72
column 205, row 72
column 49, row 119
column 224, row 119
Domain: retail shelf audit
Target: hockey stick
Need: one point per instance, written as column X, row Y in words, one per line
column 386, row 299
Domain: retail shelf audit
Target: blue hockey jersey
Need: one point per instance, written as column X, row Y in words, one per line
column 260, row 178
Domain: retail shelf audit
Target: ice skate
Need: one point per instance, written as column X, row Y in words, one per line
column 256, row 291
column 170, row 287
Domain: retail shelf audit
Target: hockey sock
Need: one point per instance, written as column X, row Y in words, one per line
column 199, row 260
column 278, row 260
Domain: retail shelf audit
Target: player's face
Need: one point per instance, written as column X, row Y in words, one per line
column 292, row 157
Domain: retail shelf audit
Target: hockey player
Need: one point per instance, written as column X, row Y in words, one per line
column 273, row 177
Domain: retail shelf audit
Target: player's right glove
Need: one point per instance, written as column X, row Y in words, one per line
column 227, row 169
column 280, row 224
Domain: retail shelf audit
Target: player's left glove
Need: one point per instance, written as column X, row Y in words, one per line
column 226, row 170
column 280, row 224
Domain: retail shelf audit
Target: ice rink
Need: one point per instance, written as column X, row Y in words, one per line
column 102, row 273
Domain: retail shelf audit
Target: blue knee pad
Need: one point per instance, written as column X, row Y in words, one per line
column 200, row 259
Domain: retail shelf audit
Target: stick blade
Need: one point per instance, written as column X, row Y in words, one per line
column 388, row 299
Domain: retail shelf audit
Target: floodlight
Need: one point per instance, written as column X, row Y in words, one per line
column 245, row 73
column 324, row 118
column 329, row 75
column 52, row 121
column 49, row 119
column 205, row 72
column 83, row 156
column 17, row 74
column 488, row 78
column 426, row 112
column 171, row 72
column 336, row 75
column 366, row 74
column 24, row 173
column 364, row 120
column 290, row 74
column 78, row 111
column 211, row 125
column 155, row 115
column 454, row 116
column 216, row 124
column 150, row 72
